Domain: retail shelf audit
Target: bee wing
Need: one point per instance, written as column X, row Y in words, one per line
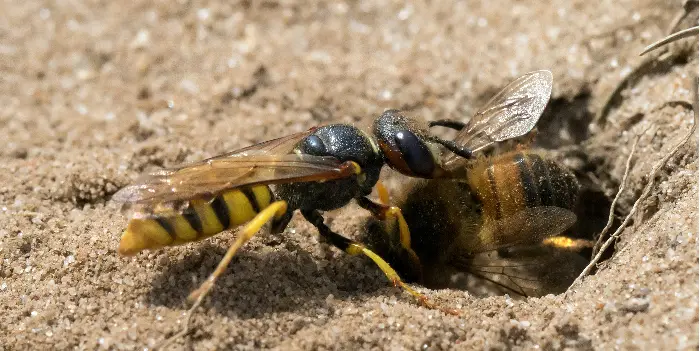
column 510, row 254
column 533, row 270
column 512, row 112
column 527, row 227
column 270, row 162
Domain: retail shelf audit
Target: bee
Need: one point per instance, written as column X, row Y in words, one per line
column 501, row 224
column 318, row 170
column 497, row 218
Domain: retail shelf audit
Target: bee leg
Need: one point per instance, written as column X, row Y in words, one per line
column 354, row 248
column 569, row 244
column 275, row 211
column 392, row 217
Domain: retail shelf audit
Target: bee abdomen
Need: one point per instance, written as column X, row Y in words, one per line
column 511, row 182
column 199, row 220
column 546, row 183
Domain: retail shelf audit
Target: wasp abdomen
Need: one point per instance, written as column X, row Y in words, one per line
column 199, row 220
column 511, row 182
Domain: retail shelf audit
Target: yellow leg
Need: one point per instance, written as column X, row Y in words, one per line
column 392, row 217
column 567, row 243
column 275, row 210
column 382, row 193
column 354, row 248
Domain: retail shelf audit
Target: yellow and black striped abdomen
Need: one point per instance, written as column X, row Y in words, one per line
column 508, row 183
column 199, row 220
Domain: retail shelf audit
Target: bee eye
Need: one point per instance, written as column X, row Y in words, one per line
column 313, row 145
column 414, row 152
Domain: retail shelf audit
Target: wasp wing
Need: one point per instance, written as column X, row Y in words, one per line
column 270, row 162
column 512, row 112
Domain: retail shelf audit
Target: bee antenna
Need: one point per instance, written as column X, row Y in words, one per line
column 459, row 150
column 447, row 123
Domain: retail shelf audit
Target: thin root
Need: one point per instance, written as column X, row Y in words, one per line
column 647, row 189
column 649, row 62
column 686, row 33
column 623, row 184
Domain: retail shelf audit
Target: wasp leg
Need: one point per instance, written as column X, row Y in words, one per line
column 279, row 223
column 275, row 211
column 383, row 193
column 392, row 217
column 354, row 248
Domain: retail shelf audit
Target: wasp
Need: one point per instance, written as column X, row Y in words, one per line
column 319, row 170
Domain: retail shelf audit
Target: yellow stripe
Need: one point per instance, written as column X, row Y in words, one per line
column 240, row 209
column 151, row 230
column 479, row 183
column 210, row 224
column 183, row 231
column 509, row 188
column 262, row 195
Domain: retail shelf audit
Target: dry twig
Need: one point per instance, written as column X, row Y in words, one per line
column 623, row 184
column 647, row 189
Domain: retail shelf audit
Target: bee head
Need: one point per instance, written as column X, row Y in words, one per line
column 406, row 146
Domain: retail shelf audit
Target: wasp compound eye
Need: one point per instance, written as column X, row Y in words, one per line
column 313, row 145
column 415, row 153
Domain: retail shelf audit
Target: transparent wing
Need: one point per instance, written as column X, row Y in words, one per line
column 512, row 112
column 512, row 253
column 533, row 270
column 269, row 162
column 527, row 227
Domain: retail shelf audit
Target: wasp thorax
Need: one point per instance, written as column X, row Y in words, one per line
column 345, row 143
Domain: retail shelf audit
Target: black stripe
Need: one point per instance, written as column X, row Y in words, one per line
column 561, row 195
column 193, row 219
column 494, row 191
column 572, row 188
column 221, row 211
column 532, row 198
column 272, row 195
column 544, row 184
column 163, row 222
column 250, row 195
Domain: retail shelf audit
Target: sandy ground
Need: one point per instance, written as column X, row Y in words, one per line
column 93, row 93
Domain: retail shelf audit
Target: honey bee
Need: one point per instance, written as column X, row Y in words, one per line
column 318, row 170
column 501, row 224
column 497, row 218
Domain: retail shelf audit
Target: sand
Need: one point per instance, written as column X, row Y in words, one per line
column 94, row 93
